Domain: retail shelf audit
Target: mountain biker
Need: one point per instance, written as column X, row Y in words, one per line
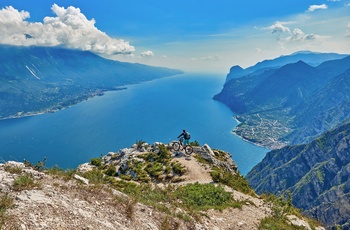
column 186, row 136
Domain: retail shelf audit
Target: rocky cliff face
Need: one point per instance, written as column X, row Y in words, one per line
column 99, row 194
column 317, row 174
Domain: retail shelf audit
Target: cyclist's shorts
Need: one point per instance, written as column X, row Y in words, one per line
column 186, row 141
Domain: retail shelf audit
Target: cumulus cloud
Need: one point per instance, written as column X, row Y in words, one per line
column 299, row 35
column 147, row 53
column 317, row 7
column 278, row 27
column 70, row 28
column 285, row 34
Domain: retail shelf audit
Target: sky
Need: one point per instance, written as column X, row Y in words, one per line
column 191, row 35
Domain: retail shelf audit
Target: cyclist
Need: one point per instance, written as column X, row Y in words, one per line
column 186, row 137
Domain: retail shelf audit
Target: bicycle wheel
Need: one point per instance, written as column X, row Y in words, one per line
column 176, row 146
column 188, row 149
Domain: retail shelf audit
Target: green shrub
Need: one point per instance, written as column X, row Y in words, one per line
column 24, row 182
column 178, row 168
column 164, row 154
column 220, row 155
column 110, row 171
column 13, row 169
column 205, row 196
column 94, row 176
column 62, row 173
column 235, row 181
column 281, row 206
column 96, row 161
column 194, row 143
column 154, row 169
column 6, row 202
column 139, row 144
column 271, row 223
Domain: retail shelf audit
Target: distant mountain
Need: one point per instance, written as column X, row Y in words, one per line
column 39, row 79
column 317, row 175
column 301, row 100
column 311, row 58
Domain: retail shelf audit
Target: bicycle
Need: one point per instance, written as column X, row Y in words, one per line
column 179, row 146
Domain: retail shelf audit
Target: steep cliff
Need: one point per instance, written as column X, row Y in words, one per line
column 317, row 175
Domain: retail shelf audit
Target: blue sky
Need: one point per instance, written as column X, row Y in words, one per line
column 206, row 35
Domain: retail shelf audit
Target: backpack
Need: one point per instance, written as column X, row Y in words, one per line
column 187, row 136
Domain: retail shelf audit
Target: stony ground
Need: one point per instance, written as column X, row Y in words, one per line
column 59, row 204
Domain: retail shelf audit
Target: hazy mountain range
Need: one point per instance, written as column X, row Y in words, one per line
column 40, row 79
column 311, row 58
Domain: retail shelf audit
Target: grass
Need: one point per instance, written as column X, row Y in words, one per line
column 13, row 169
column 6, row 202
column 24, row 182
column 235, row 181
column 281, row 207
column 66, row 175
column 271, row 223
column 202, row 197
column 96, row 161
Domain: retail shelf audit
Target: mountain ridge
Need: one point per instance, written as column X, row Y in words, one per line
column 317, row 174
column 271, row 99
column 312, row 58
column 39, row 79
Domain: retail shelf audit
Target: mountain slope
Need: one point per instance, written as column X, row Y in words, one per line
column 324, row 110
column 36, row 79
column 311, row 58
column 317, row 175
column 301, row 100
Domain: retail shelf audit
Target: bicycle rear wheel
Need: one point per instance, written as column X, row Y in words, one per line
column 188, row 149
column 176, row 146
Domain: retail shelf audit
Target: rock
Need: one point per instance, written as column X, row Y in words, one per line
column 86, row 167
column 82, row 179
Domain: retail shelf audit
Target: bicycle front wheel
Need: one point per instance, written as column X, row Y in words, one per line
column 188, row 149
column 176, row 146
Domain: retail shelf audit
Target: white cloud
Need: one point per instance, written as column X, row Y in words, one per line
column 299, row 35
column 206, row 58
column 317, row 7
column 278, row 27
column 70, row 28
column 147, row 53
column 286, row 34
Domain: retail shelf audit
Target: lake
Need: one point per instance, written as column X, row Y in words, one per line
column 155, row 111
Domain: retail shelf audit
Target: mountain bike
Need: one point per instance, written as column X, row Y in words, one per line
column 179, row 146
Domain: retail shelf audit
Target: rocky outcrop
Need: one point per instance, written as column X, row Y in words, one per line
column 77, row 203
column 124, row 158
column 316, row 174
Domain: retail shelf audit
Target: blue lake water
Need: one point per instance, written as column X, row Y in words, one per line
column 151, row 111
